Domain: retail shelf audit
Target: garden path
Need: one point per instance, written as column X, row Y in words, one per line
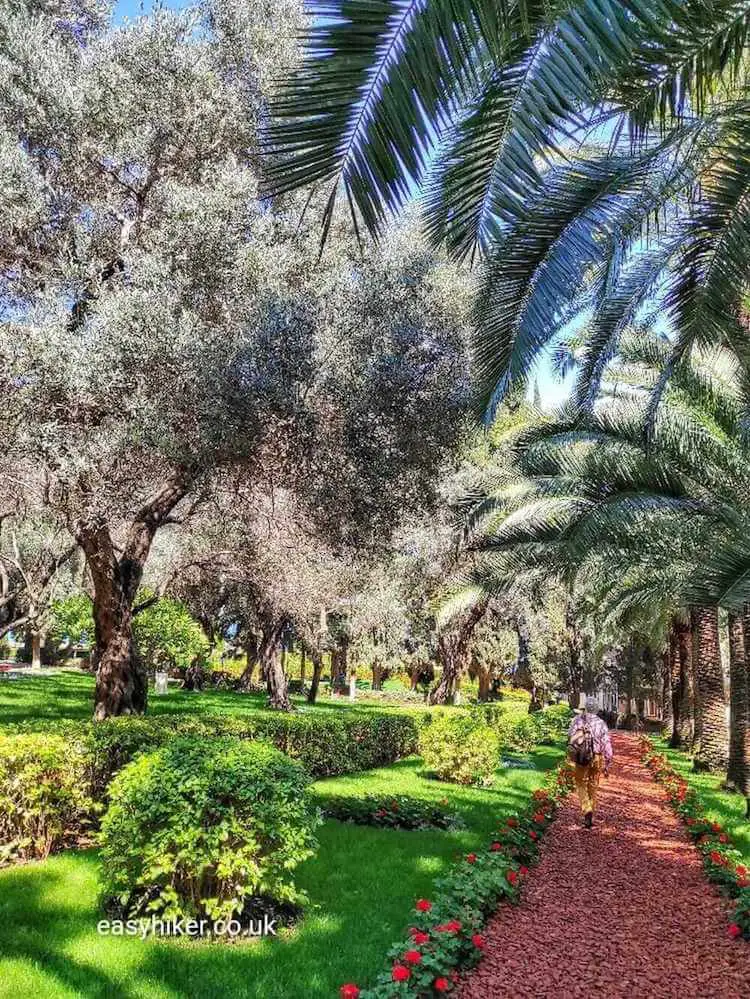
column 621, row 910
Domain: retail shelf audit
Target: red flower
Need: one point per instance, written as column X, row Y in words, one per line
column 716, row 857
column 419, row 936
column 741, row 870
column 690, row 822
column 450, row 927
column 512, row 877
column 412, row 957
column 723, row 838
column 399, row 973
column 512, row 823
column 523, row 871
column 496, row 846
column 441, row 984
column 349, row 991
column 743, row 883
column 380, row 813
column 539, row 818
column 734, row 931
column 471, row 857
column 478, row 941
column 423, row 905
column 715, row 827
column 533, row 835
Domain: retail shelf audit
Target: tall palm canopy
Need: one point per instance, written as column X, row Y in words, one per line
column 591, row 155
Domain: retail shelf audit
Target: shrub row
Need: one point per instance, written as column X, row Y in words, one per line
column 721, row 860
column 53, row 783
column 445, row 932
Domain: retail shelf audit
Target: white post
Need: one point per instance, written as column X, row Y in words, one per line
column 352, row 687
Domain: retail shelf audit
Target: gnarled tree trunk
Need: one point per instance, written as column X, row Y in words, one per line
column 121, row 678
column 712, row 754
column 453, row 651
column 317, row 661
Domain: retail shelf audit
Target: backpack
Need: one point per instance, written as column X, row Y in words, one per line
column 581, row 745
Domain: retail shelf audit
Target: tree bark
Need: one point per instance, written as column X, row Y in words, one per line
column 271, row 666
column 687, row 684
column 453, row 649
column 712, row 754
column 302, row 668
column 121, row 684
column 738, row 771
column 667, row 709
column 317, row 661
column 36, row 650
column 575, row 648
column 251, row 661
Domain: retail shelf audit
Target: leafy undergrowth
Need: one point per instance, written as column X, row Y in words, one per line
column 362, row 885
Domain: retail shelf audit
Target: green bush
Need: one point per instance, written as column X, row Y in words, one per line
column 44, row 799
column 517, row 694
column 518, row 733
column 554, row 722
column 460, row 749
column 327, row 744
column 197, row 828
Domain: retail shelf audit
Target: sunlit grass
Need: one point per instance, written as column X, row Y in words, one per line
column 361, row 885
column 721, row 806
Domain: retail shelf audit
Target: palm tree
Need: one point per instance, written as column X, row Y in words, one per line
column 659, row 526
column 550, row 140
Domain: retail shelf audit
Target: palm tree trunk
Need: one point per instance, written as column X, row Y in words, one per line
column 675, row 677
column 687, row 684
column 738, row 771
column 712, row 754
column 667, row 711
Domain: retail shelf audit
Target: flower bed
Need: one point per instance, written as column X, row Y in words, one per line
column 390, row 812
column 721, row 860
column 445, row 936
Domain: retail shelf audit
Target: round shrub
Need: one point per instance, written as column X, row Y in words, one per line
column 197, row 828
column 517, row 732
column 44, row 799
column 460, row 749
column 554, row 722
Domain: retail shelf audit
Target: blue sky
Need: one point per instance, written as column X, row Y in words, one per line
column 132, row 8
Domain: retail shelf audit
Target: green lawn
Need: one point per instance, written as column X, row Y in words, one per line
column 361, row 884
column 69, row 694
column 720, row 806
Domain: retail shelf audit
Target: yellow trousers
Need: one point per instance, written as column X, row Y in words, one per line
column 587, row 782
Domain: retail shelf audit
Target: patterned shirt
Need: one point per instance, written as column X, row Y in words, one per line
column 599, row 732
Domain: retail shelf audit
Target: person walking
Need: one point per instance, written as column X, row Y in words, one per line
column 590, row 751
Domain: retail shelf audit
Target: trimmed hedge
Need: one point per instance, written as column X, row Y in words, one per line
column 50, row 781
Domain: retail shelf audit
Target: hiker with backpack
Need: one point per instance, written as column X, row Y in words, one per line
column 590, row 750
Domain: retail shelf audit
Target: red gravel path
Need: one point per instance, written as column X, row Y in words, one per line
column 622, row 910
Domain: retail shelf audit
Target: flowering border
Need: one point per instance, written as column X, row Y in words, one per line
column 446, row 936
column 720, row 856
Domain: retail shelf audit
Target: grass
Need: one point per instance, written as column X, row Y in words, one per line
column 361, row 884
column 720, row 806
column 68, row 694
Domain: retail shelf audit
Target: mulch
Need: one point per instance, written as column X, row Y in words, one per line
column 621, row 910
